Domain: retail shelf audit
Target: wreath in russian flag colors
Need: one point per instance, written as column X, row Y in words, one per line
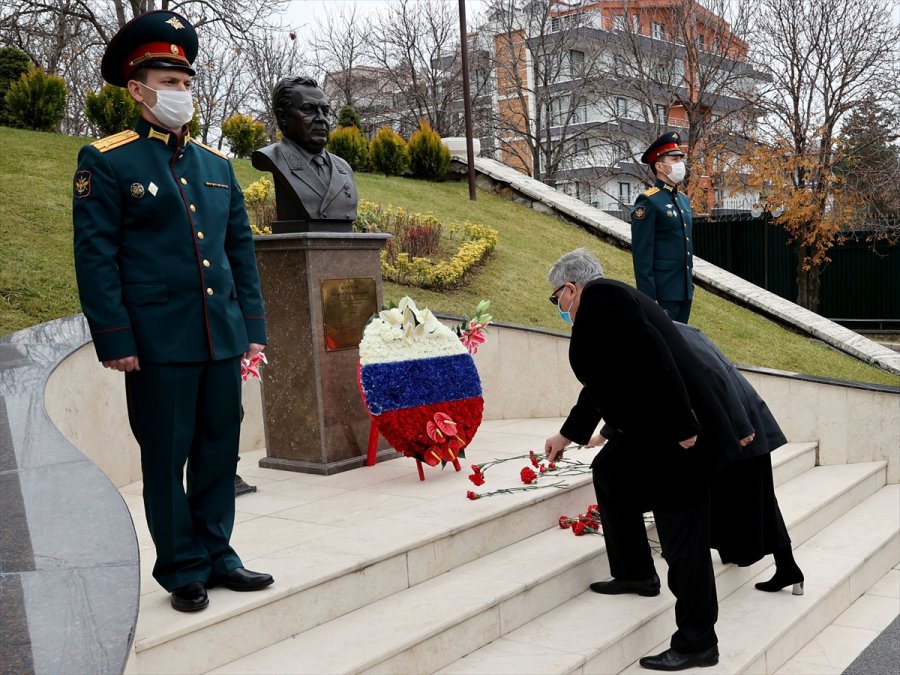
column 419, row 383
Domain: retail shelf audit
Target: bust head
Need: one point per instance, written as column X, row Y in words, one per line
column 302, row 112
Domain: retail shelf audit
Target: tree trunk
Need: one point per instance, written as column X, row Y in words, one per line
column 809, row 281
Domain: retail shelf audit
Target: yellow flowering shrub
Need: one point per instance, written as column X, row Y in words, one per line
column 259, row 197
column 476, row 242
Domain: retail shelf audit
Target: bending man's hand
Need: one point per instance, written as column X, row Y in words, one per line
column 123, row 365
column 553, row 447
column 596, row 439
column 747, row 441
column 689, row 442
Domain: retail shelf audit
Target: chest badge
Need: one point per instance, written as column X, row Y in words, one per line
column 137, row 190
column 639, row 212
column 152, row 189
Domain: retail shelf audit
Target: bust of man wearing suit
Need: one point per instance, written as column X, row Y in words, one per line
column 314, row 189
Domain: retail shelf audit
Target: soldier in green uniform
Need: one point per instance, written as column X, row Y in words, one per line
column 168, row 282
column 661, row 248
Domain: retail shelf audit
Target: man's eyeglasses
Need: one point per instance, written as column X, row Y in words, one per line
column 553, row 297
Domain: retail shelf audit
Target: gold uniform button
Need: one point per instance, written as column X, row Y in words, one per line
column 184, row 181
column 209, row 291
column 199, row 235
column 206, row 263
column 193, row 209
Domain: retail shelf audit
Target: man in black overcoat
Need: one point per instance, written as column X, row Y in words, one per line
column 640, row 376
column 746, row 521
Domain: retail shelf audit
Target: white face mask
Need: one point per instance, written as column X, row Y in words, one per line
column 676, row 173
column 173, row 109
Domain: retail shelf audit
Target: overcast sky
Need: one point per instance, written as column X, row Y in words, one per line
column 303, row 12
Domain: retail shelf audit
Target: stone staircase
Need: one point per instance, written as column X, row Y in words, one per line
column 494, row 586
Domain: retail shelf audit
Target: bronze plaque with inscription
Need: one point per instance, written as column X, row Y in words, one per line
column 346, row 306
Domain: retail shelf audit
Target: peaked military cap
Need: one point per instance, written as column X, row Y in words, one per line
column 159, row 39
column 667, row 144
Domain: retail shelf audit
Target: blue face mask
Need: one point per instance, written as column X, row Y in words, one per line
column 565, row 316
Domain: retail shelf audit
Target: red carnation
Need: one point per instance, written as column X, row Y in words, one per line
column 578, row 528
column 534, row 461
column 543, row 467
column 477, row 478
column 476, row 468
column 472, row 495
column 565, row 522
column 593, row 524
column 551, row 466
column 528, row 475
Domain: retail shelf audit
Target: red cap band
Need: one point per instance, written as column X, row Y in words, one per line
column 661, row 150
column 154, row 51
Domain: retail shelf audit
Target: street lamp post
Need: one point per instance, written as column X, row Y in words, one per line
column 467, row 102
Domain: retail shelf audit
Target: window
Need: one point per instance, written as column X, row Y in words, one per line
column 625, row 193
column 717, row 197
column 576, row 63
column 619, row 22
column 715, row 117
column 659, row 30
column 701, row 42
column 621, row 107
column 662, row 114
column 635, row 23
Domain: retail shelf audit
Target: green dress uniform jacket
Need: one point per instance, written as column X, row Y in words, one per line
column 661, row 246
column 164, row 254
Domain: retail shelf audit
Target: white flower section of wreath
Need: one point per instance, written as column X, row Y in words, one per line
column 405, row 333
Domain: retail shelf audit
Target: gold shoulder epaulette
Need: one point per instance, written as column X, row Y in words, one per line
column 212, row 150
column 116, row 140
column 649, row 192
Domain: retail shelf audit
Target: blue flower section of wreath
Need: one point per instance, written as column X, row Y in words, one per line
column 406, row 384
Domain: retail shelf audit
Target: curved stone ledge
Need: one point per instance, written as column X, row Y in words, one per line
column 519, row 187
column 69, row 573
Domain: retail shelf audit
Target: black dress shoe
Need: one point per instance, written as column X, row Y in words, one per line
column 793, row 577
column 240, row 579
column 675, row 660
column 646, row 587
column 190, row 597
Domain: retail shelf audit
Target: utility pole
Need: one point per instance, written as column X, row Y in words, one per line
column 467, row 101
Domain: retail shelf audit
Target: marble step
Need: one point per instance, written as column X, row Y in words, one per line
column 428, row 626
column 760, row 632
column 319, row 580
column 604, row 634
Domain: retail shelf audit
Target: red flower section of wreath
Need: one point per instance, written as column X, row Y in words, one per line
column 528, row 475
column 416, row 430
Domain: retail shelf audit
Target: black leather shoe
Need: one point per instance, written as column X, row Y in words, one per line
column 190, row 597
column 793, row 577
column 240, row 579
column 675, row 660
column 646, row 587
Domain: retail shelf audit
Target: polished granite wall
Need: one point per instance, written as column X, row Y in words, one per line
column 69, row 573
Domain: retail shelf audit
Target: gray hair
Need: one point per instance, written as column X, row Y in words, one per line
column 578, row 266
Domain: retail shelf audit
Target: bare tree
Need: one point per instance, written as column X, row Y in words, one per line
column 338, row 47
column 415, row 45
column 219, row 87
column 551, row 71
column 826, row 57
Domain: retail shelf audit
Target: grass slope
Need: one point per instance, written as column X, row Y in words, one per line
column 37, row 280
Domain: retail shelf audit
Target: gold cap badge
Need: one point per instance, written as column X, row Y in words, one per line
column 175, row 23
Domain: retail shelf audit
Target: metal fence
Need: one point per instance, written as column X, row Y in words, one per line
column 860, row 287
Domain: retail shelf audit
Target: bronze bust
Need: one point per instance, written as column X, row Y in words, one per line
column 314, row 189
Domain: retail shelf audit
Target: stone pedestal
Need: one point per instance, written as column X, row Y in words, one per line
column 313, row 415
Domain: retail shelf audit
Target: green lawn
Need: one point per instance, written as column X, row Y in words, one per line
column 37, row 280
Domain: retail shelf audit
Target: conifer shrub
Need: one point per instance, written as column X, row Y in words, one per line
column 244, row 134
column 348, row 117
column 37, row 100
column 111, row 109
column 13, row 63
column 428, row 157
column 349, row 143
column 388, row 153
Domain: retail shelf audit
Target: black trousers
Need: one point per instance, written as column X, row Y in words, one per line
column 625, row 488
column 188, row 415
column 677, row 311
